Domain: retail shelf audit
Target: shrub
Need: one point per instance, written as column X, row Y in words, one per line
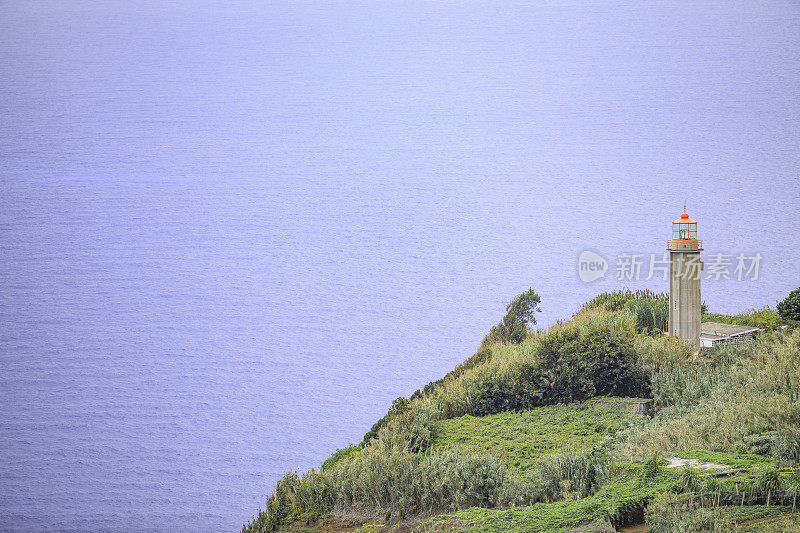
column 789, row 308
column 664, row 352
column 415, row 483
column 577, row 365
column 759, row 443
column 381, row 479
column 685, row 387
column 572, row 474
column 496, row 394
column 652, row 316
column 573, row 364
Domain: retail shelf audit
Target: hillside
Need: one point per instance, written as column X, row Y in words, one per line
column 511, row 441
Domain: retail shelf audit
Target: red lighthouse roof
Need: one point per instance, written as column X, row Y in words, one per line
column 684, row 219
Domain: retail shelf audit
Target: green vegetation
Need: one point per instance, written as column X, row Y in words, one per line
column 723, row 407
column 617, row 300
column 399, row 405
column 572, row 364
column 670, row 513
column 789, row 308
column 520, row 438
column 340, row 454
column 781, row 524
column 766, row 318
column 651, row 309
column 520, row 313
column 735, row 460
column 507, row 441
column 616, row 501
column 738, row 514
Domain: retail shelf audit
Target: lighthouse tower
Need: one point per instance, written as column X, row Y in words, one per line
column 685, row 269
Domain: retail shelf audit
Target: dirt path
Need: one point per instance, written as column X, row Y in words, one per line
column 677, row 462
column 635, row 528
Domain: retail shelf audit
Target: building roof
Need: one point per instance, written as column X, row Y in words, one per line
column 684, row 219
column 717, row 330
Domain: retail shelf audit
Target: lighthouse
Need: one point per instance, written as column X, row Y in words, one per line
column 685, row 269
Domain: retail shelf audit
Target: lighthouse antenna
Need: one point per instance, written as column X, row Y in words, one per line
column 684, row 206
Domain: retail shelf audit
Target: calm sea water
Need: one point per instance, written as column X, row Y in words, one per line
column 231, row 233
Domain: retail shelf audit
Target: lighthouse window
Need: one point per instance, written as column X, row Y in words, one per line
column 684, row 233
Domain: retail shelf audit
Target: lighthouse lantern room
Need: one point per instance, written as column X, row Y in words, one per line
column 684, row 235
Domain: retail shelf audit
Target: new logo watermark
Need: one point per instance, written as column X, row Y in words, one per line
column 591, row 266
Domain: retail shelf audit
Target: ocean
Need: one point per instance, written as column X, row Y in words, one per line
column 231, row 233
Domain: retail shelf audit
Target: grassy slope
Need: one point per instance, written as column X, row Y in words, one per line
column 619, row 500
column 613, row 499
column 757, row 390
column 519, row 438
column 616, row 499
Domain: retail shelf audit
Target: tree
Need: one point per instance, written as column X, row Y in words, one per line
column 790, row 307
column 519, row 314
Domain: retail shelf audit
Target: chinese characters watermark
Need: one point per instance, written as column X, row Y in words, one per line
column 634, row 267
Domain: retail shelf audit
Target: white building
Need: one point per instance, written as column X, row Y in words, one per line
column 715, row 334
